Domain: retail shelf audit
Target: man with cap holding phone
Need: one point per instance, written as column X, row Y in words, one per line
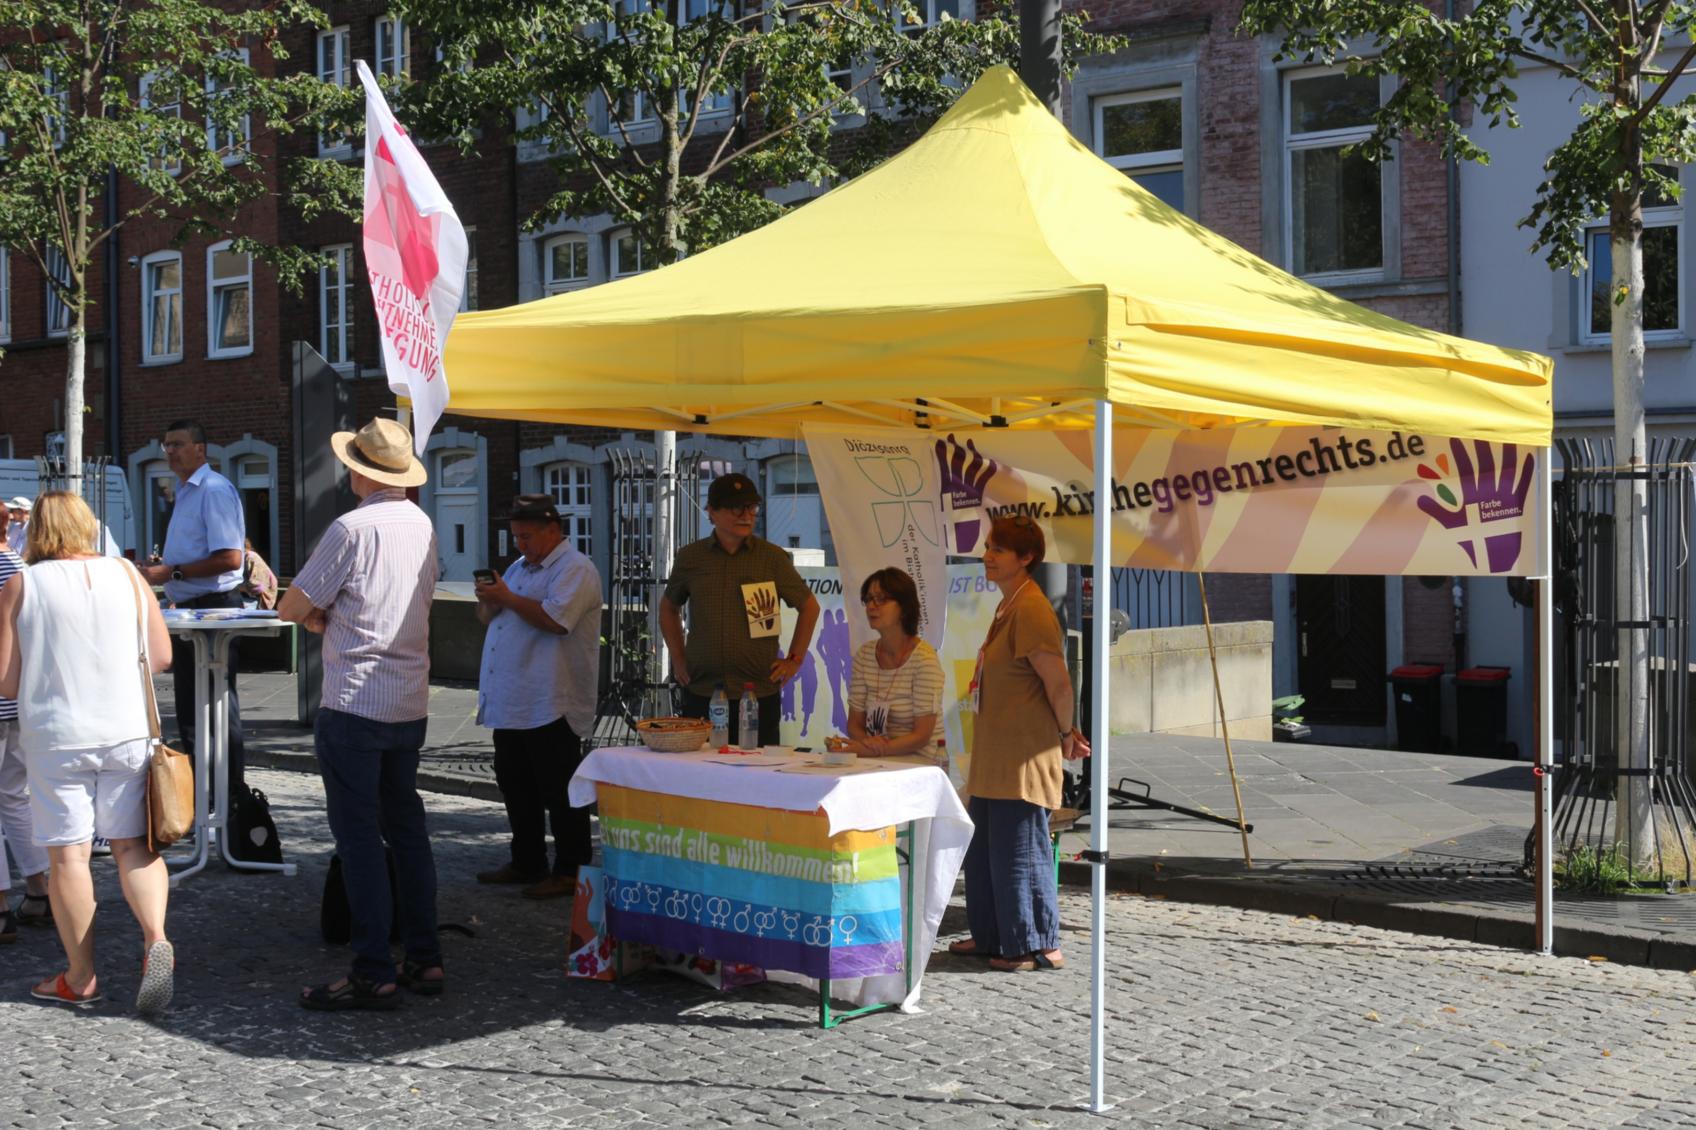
column 732, row 581
column 536, row 690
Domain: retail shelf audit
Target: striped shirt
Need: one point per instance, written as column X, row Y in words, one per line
column 10, row 566
column 909, row 691
column 374, row 572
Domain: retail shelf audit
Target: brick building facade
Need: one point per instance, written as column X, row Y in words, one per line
column 1196, row 112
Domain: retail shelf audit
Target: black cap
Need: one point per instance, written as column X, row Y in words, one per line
column 533, row 508
column 732, row 490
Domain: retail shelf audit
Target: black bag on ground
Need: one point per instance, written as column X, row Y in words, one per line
column 335, row 920
column 252, row 833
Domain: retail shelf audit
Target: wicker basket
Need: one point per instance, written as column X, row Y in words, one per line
column 674, row 735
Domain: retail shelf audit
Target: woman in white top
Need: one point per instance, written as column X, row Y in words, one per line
column 69, row 631
column 895, row 689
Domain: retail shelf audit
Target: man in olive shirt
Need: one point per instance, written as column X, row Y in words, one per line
column 732, row 582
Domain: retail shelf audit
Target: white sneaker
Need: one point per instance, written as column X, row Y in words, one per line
column 101, row 846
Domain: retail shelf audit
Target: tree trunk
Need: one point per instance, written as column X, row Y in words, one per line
column 1634, row 825
column 76, row 363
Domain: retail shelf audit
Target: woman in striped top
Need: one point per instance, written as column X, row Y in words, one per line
column 895, row 689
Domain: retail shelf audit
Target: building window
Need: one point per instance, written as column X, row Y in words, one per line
column 159, row 491
column 58, row 310
column 468, row 296
column 932, row 12
column 162, row 308
column 569, row 486
column 335, row 306
column 629, row 255
column 230, row 139
column 229, row 302
column 5, row 295
column 1143, row 134
column 334, row 67
column 251, row 476
column 565, row 263
column 161, row 95
column 1335, row 200
column 59, row 93
column 394, row 47
column 1662, row 285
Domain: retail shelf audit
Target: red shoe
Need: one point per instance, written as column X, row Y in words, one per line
column 61, row 993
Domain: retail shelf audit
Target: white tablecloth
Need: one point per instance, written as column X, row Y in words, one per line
column 872, row 794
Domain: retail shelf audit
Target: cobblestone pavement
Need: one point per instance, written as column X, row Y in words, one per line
column 1219, row 1018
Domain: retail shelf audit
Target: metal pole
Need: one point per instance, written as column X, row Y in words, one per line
column 1039, row 50
column 1224, row 726
column 665, row 509
column 1100, row 639
column 1546, row 705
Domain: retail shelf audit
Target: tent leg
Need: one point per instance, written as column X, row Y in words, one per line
column 1224, row 726
column 1100, row 738
column 1544, row 818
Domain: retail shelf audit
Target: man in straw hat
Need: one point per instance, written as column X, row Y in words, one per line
column 367, row 588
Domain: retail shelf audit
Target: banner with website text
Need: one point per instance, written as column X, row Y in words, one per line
column 1231, row 500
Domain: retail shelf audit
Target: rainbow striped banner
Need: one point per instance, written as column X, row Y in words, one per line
column 755, row 885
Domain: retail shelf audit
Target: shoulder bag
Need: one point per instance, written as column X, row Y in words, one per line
column 170, row 773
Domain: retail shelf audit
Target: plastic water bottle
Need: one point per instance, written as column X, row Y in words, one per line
column 718, row 713
column 748, row 718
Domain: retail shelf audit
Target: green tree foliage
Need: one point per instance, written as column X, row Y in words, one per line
column 675, row 116
column 176, row 99
column 1621, row 58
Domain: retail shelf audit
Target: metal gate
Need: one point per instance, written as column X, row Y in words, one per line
column 1588, row 671
column 633, row 685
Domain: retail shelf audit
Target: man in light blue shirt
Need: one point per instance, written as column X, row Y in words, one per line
column 201, row 568
column 536, row 690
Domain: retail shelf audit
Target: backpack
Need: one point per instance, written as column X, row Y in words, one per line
column 251, row 831
column 335, row 920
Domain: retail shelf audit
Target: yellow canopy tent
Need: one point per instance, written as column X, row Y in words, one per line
column 997, row 273
column 994, row 269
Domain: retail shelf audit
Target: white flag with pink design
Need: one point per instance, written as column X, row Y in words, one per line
column 415, row 253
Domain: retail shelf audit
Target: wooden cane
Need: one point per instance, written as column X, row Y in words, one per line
column 1224, row 727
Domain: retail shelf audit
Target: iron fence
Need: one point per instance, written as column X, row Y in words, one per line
column 1592, row 681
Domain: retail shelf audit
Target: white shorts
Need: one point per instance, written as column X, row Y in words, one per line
column 77, row 794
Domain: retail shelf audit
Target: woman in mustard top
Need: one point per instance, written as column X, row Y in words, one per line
column 1023, row 698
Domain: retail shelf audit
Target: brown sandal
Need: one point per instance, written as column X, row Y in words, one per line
column 966, row 947
column 1026, row 964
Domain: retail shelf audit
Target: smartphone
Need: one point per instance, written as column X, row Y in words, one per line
column 483, row 576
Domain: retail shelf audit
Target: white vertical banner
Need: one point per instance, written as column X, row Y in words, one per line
column 415, row 253
column 880, row 498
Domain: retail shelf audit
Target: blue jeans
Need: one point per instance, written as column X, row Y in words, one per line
column 1012, row 908
column 370, row 772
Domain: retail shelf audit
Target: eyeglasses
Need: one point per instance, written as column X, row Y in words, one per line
column 742, row 511
column 876, row 600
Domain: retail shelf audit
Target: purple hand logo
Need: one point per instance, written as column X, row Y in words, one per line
column 1495, row 495
column 965, row 471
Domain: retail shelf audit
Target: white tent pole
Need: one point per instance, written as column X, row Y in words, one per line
column 1545, row 705
column 1099, row 739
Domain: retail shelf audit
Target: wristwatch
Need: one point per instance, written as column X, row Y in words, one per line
column 176, row 573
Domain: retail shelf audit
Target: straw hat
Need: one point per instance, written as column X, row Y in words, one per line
column 382, row 452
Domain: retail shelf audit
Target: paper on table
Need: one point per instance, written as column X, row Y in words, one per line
column 747, row 762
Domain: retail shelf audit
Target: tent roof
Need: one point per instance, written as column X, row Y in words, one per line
column 996, row 268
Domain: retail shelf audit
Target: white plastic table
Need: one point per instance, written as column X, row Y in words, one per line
column 212, row 639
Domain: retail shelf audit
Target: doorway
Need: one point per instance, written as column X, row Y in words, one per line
column 1341, row 660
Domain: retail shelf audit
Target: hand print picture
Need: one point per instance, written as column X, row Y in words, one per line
column 759, row 600
column 1486, row 495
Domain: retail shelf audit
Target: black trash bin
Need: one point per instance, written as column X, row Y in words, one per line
column 1481, row 712
column 1418, row 689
